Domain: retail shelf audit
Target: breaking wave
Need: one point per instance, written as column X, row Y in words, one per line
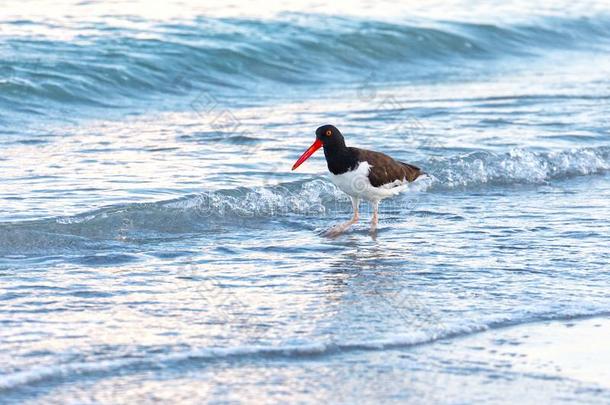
column 517, row 167
column 201, row 213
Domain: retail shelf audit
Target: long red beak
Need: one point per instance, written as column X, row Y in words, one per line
column 314, row 147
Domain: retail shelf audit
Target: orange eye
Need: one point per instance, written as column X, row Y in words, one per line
column 329, row 132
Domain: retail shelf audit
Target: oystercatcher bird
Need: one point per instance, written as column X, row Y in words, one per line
column 360, row 173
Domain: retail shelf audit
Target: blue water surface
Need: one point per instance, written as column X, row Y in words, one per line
column 156, row 247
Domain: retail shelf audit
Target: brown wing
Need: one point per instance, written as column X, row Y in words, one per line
column 386, row 170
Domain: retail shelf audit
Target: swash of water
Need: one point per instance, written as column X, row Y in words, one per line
column 155, row 246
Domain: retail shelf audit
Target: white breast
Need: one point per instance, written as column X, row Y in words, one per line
column 356, row 183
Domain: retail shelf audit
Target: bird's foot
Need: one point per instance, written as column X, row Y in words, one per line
column 338, row 229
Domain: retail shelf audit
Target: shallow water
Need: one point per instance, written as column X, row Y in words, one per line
column 154, row 244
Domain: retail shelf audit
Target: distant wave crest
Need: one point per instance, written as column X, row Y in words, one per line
column 211, row 54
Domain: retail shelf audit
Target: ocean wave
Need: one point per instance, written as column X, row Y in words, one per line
column 516, row 167
column 203, row 356
column 204, row 212
column 218, row 55
column 193, row 214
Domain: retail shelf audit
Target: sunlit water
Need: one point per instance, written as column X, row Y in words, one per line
column 154, row 244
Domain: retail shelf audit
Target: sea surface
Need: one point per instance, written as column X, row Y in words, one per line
column 156, row 247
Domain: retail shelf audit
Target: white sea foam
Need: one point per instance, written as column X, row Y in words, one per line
column 517, row 167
